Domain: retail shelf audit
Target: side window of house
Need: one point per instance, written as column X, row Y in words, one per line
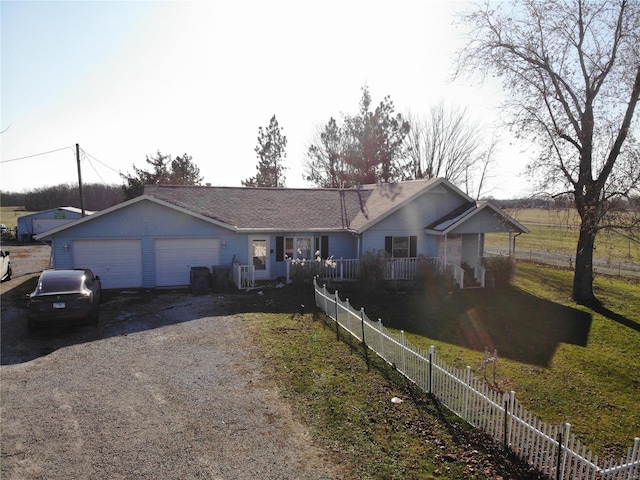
column 401, row 247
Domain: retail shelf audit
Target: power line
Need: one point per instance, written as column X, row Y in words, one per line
column 34, row 155
column 100, row 162
column 86, row 157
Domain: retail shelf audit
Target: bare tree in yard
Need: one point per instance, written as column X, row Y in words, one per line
column 572, row 72
column 271, row 154
column 446, row 144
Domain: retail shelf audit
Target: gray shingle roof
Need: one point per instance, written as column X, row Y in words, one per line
column 291, row 209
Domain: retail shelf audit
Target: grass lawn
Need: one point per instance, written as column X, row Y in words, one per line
column 566, row 364
column 9, row 215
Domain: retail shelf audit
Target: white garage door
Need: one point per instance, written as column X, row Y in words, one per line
column 117, row 262
column 175, row 257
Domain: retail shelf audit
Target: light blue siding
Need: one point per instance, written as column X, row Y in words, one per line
column 62, row 258
column 470, row 249
column 411, row 220
column 145, row 219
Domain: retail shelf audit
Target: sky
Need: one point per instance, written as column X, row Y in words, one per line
column 126, row 79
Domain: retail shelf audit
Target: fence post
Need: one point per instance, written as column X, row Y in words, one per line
column 430, row 383
column 465, row 395
column 563, row 445
column 559, row 462
column 404, row 356
column 381, row 338
column 337, row 324
column 506, row 420
column 364, row 343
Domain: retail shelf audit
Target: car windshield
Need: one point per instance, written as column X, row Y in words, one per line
column 61, row 284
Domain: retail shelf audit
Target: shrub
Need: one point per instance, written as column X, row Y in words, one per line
column 371, row 269
column 500, row 271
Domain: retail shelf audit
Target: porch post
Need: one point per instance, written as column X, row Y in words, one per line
column 511, row 252
column 446, row 235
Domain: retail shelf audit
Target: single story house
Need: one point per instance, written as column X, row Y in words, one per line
column 154, row 240
column 40, row 222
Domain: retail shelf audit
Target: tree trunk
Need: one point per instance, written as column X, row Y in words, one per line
column 583, row 275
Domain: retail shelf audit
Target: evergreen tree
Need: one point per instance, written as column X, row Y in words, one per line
column 164, row 171
column 271, row 154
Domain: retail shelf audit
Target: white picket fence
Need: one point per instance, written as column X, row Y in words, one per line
column 551, row 449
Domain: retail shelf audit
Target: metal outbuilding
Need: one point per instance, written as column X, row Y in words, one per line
column 39, row 222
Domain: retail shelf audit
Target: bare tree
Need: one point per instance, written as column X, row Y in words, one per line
column 447, row 144
column 481, row 171
column 572, row 72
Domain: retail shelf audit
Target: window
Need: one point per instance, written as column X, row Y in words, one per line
column 322, row 246
column 288, row 247
column 301, row 247
column 401, row 247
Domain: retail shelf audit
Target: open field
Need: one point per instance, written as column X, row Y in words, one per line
column 9, row 215
column 556, row 231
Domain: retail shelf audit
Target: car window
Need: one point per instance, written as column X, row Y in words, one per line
column 60, row 284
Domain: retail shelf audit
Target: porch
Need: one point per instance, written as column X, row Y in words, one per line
column 346, row 270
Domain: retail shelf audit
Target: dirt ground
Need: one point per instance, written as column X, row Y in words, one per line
column 168, row 385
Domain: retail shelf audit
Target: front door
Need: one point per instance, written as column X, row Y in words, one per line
column 259, row 256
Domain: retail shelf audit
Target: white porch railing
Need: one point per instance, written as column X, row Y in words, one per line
column 244, row 276
column 458, row 274
column 481, row 274
column 347, row 269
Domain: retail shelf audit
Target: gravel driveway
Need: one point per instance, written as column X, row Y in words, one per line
column 169, row 385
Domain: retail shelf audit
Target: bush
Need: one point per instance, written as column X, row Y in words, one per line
column 500, row 271
column 371, row 269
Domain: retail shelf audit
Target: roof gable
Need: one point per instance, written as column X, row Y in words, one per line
column 102, row 213
column 455, row 220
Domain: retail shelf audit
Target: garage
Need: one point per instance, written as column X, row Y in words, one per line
column 117, row 262
column 175, row 257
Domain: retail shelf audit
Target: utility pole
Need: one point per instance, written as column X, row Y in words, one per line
column 79, row 178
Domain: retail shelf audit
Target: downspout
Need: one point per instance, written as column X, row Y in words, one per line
column 514, row 243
